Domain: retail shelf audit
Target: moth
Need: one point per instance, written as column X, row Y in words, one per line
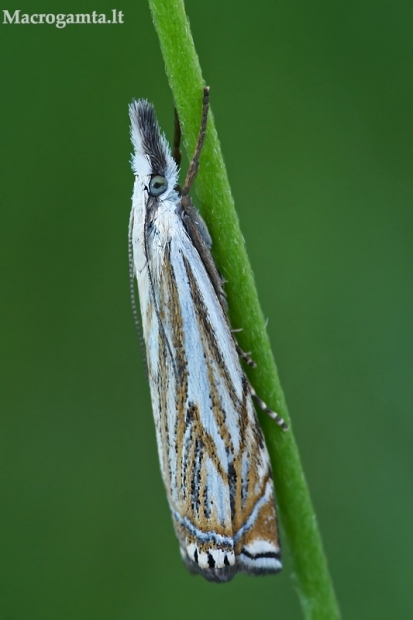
column 214, row 462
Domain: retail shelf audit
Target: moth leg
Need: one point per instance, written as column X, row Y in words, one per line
column 244, row 356
column 194, row 165
column 197, row 220
column 176, row 154
column 274, row 416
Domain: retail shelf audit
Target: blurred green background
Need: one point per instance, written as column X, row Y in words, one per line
column 313, row 105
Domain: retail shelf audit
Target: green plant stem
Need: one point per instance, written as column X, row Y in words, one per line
column 313, row 580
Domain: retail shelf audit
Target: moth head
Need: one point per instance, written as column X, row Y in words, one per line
column 151, row 161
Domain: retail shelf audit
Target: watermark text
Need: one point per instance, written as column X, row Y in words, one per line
column 61, row 20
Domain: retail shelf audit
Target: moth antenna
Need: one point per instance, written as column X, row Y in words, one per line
column 176, row 154
column 132, row 293
column 194, row 165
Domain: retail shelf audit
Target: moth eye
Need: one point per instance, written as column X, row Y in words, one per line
column 157, row 185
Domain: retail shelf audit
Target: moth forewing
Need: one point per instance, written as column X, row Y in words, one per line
column 213, row 458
